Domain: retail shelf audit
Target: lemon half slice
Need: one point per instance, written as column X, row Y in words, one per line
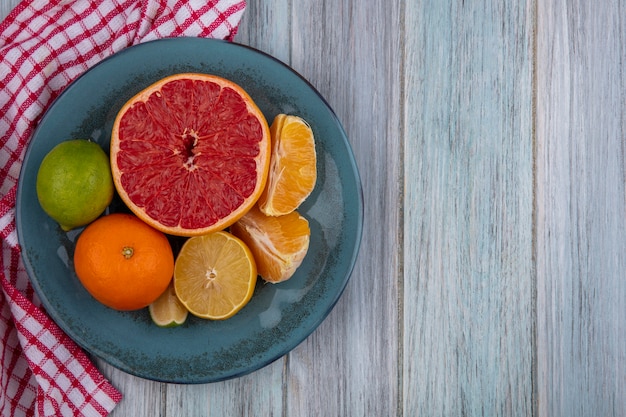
column 214, row 275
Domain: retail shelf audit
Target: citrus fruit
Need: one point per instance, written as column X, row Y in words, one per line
column 74, row 183
column 214, row 275
column 278, row 243
column 167, row 310
column 293, row 172
column 190, row 153
column 122, row 262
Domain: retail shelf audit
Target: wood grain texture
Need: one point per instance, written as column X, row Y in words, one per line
column 259, row 392
column 6, row 6
column 150, row 393
column 267, row 26
column 350, row 51
column 491, row 140
column 468, row 270
column 581, row 208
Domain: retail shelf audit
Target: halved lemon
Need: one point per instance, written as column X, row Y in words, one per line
column 215, row 275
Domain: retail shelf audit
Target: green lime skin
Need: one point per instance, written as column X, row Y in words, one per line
column 74, row 183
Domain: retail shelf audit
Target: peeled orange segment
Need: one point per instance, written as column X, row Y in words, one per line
column 214, row 275
column 190, row 154
column 278, row 243
column 293, row 172
column 167, row 310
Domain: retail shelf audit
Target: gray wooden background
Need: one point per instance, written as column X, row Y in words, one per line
column 491, row 141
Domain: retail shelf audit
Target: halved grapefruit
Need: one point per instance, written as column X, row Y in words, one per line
column 190, row 153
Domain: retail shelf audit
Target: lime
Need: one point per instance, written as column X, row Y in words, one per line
column 74, row 183
column 167, row 310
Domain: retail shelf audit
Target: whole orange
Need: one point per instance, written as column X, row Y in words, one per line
column 122, row 262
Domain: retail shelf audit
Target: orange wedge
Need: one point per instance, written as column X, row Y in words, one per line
column 293, row 172
column 278, row 243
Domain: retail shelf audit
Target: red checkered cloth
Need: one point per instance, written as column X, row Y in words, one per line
column 44, row 45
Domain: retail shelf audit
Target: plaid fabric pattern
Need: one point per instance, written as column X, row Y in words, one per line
column 44, row 45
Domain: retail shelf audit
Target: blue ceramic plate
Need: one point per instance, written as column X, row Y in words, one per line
column 278, row 317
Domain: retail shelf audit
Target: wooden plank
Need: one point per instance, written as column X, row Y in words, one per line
column 6, row 6
column 350, row 51
column 259, row 393
column 581, row 208
column 265, row 26
column 468, row 267
column 141, row 397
